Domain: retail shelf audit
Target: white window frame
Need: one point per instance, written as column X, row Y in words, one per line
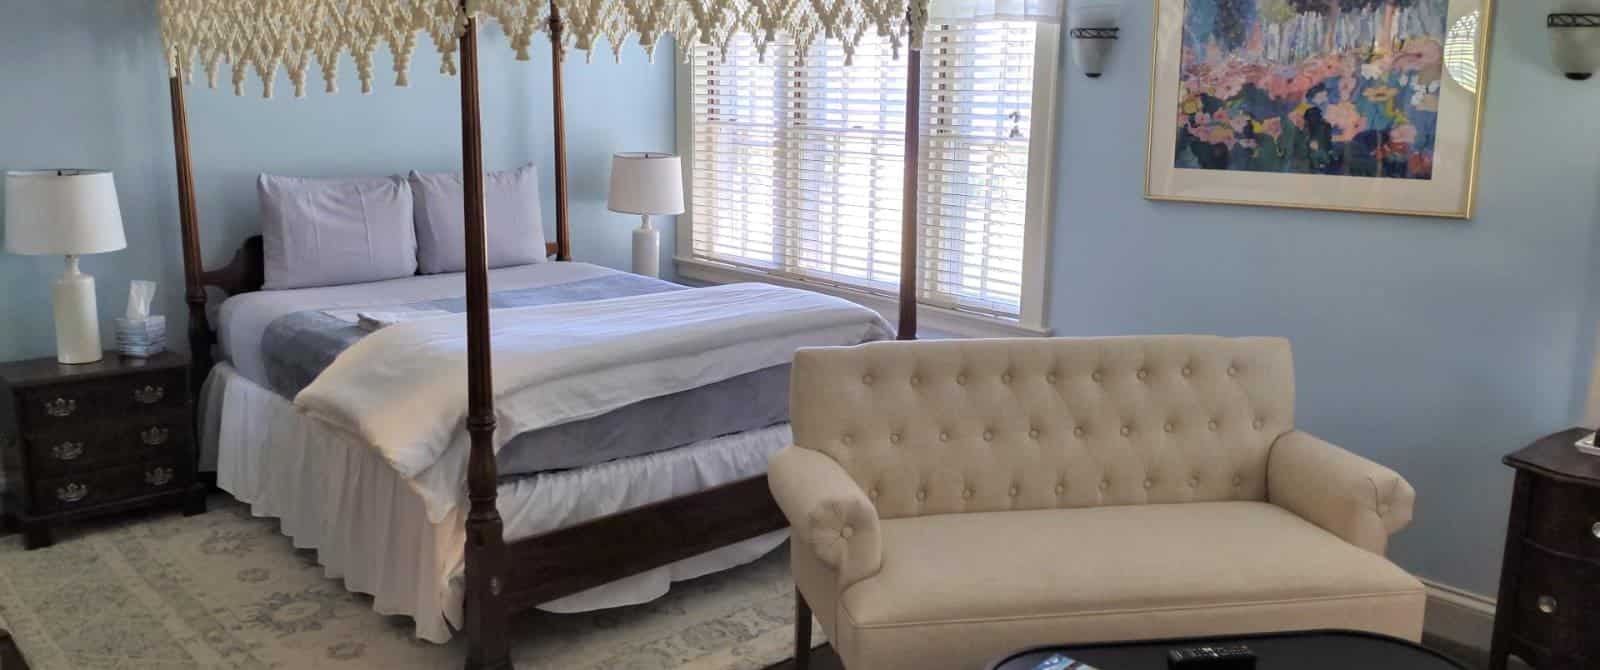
column 1033, row 315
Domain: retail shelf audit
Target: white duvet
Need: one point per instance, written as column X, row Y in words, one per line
column 401, row 389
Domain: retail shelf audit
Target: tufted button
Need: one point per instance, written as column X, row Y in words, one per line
column 1105, row 484
column 1126, row 431
column 922, row 495
column 1383, row 509
column 966, row 493
column 1212, row 425
column 1167, row 427
column 1194, row 482
column 1233, row 371
column 866, row 379
column 915, row 380
column 1238, row 480
column 846, row 440
column 1014, row 491
column 894, row 438
column 1033, row 433
column 1096, row 375
column 1061, row 488
column 1142, row 374
column 1077, row 431
column 1187, row 371
column 944, row 437
column 1005, row 378
column 1050, row 378
column 873, row 494
column 1259, row 423
column 987, row 436
column 846, row 532
column 1149, row 483
column 961, row 380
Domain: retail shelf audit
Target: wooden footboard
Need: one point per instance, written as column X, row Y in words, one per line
column 567, row 561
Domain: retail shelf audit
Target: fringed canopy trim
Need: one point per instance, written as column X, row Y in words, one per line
column 264, row 36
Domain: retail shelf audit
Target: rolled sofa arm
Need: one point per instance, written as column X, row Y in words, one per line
column 827, row 510
column 1358, row 500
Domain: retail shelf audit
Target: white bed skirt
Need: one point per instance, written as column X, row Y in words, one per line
column 337, row 496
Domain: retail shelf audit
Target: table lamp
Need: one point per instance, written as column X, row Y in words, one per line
column 646, row 184
column 66, row 213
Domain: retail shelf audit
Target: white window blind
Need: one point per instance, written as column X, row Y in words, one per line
column 797, row 163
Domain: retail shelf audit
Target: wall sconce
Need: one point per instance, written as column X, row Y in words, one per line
column 1575, row 38
column 1093, row 32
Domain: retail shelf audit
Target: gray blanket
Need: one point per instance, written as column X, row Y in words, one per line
column 298, row 347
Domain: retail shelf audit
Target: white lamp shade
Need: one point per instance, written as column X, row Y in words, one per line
column 62, row 213
column 646, row 183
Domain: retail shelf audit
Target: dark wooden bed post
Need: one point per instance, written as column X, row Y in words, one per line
column 563, row 236
column 194, row 290
column 487, row 645
column 908, row 203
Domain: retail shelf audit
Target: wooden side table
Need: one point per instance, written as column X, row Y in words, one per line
column 1549, row 603
column 84, row 440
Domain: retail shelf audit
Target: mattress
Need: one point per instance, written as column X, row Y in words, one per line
column 283, row 339
column 370, row 529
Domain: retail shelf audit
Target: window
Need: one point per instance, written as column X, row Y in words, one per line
column 796, row 165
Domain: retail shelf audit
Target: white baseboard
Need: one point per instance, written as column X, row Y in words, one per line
column 1460, row 616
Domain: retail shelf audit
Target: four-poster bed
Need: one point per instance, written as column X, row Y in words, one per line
column 502, row 578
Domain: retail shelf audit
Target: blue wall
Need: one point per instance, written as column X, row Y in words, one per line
column 1433, row 346
column 84, row 85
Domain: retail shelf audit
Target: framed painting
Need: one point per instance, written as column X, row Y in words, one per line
column 1348, row 105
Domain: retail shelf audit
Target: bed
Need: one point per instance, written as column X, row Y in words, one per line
column 389, row 535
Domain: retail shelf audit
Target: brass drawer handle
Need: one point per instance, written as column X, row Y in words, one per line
column 158, row 477
column 1547, row 604
column 149, row 395
column 67, row 451
column 154, row 436
column 61, row 407
column 1595, row 530
column 72, row 493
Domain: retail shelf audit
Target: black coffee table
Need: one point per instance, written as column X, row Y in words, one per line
column 1309, row 650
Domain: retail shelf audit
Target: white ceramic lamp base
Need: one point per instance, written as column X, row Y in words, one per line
column 77, row 317
column 646, row 249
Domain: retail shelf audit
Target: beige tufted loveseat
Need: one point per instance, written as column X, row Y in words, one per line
column 954, row 500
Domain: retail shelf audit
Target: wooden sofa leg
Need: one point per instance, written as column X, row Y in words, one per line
column 802, row 632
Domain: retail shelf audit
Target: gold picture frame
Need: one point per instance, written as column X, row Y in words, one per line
column 1237, row 175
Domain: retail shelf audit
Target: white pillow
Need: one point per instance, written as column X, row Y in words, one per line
column 324, row 232
column 511, row 218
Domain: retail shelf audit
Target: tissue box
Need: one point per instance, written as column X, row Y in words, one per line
column 142, row 338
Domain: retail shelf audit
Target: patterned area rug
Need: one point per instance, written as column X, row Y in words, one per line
column 226, row 590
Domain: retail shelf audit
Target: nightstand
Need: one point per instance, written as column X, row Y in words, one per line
column 84, row 440
column 1550, row 581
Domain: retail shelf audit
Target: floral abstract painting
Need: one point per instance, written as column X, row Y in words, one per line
column 1344, row 105
column 1331, row 87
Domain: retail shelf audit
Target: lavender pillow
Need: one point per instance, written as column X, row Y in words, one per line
column 324, row 232
column 511, row 217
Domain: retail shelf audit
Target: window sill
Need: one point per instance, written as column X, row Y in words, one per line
column 933, row 321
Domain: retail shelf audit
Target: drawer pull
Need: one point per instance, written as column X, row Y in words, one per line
column 149, row 395
column 67, row 451
column 1547, row 604
column 72, row 493
column 61, row 407
column 158, row 477
column 1595, row 530
column 154, row 436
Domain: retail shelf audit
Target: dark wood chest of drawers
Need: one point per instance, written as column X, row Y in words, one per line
column 1548, row 613
column 81, row 440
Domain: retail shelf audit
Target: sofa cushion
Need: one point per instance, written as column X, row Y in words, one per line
column 979, row 584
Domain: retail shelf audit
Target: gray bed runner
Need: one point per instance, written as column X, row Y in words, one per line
column 297, row 347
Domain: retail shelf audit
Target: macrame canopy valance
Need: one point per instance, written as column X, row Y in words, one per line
column 264, row 36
